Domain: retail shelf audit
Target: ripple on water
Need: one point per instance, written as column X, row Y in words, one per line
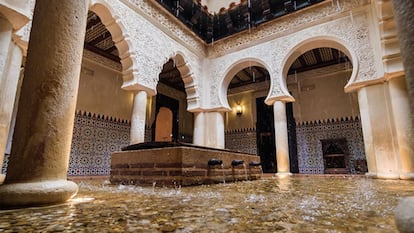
column 296, row 204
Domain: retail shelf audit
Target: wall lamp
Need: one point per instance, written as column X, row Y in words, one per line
column 239, row 110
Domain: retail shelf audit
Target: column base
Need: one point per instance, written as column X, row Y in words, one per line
column 37, row 193
column 2, row 178
column 390, row 176
column 283, row 174
column 407, row 176
column 371, row 175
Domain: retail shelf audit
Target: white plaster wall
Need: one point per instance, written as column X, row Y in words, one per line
column 100, row 92
column 215, row 5
column 322, row 97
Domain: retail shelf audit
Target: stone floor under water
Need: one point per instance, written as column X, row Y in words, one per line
column 295, row 204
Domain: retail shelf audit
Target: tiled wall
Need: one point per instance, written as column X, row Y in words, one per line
column 5, row 162
column 243, row 140
column 310, row 134
column 94, row 139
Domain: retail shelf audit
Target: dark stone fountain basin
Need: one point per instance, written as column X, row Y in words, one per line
column 176, row 163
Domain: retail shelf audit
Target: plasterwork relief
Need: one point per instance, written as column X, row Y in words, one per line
column 353, row 32
column 149, row 47
column 153, row 47
column 280, row 27
column 168, row 22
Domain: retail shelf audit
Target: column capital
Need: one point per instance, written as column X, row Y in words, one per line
column 214, row 109
column 282, row 98
column 16, row 12
column 136, row 87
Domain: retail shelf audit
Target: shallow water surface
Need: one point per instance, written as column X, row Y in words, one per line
column 295, row 204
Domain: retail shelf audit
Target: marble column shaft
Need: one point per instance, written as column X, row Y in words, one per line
column 214, row 130
column 39, row 159
column 199, row 125
column 404, row 15
column 5, row 42
column 402, row 123
column 139, row 112
column 8, row 86
column 281, row 138
column 378, row 128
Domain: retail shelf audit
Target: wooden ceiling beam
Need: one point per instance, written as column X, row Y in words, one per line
column 101, row 52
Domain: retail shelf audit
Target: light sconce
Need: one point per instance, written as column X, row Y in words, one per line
column 239, row 110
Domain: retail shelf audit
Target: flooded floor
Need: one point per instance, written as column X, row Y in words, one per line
column 295, row 204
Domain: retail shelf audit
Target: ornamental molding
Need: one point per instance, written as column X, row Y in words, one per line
column 158, row 16
column 317, row 14
column 352, row 33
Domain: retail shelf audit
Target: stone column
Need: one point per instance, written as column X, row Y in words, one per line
column 5, row 41
column 139, row 112
column 38, row 166
column 214, row 130
column 281, row 138
column 404, row 15
column 199, row 125
column 8, row 87
column 377, row 128
column 402, row 123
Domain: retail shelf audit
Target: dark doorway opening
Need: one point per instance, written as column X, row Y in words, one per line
column 265, row 128
column 293, row 149
column 173, row 105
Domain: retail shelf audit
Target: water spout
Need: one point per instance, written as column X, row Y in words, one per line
column 237, row 162
column 214, row 162
column 254, row 164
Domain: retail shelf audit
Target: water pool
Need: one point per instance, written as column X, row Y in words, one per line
column 294, row 204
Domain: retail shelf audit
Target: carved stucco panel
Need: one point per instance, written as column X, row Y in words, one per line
column 152, row 10
column 353, row 31
column 151, row 46
column 285, row 25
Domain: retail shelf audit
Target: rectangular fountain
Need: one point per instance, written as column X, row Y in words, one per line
column 175, row 163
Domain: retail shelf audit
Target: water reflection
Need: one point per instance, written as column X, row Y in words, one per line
column 292, row 204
